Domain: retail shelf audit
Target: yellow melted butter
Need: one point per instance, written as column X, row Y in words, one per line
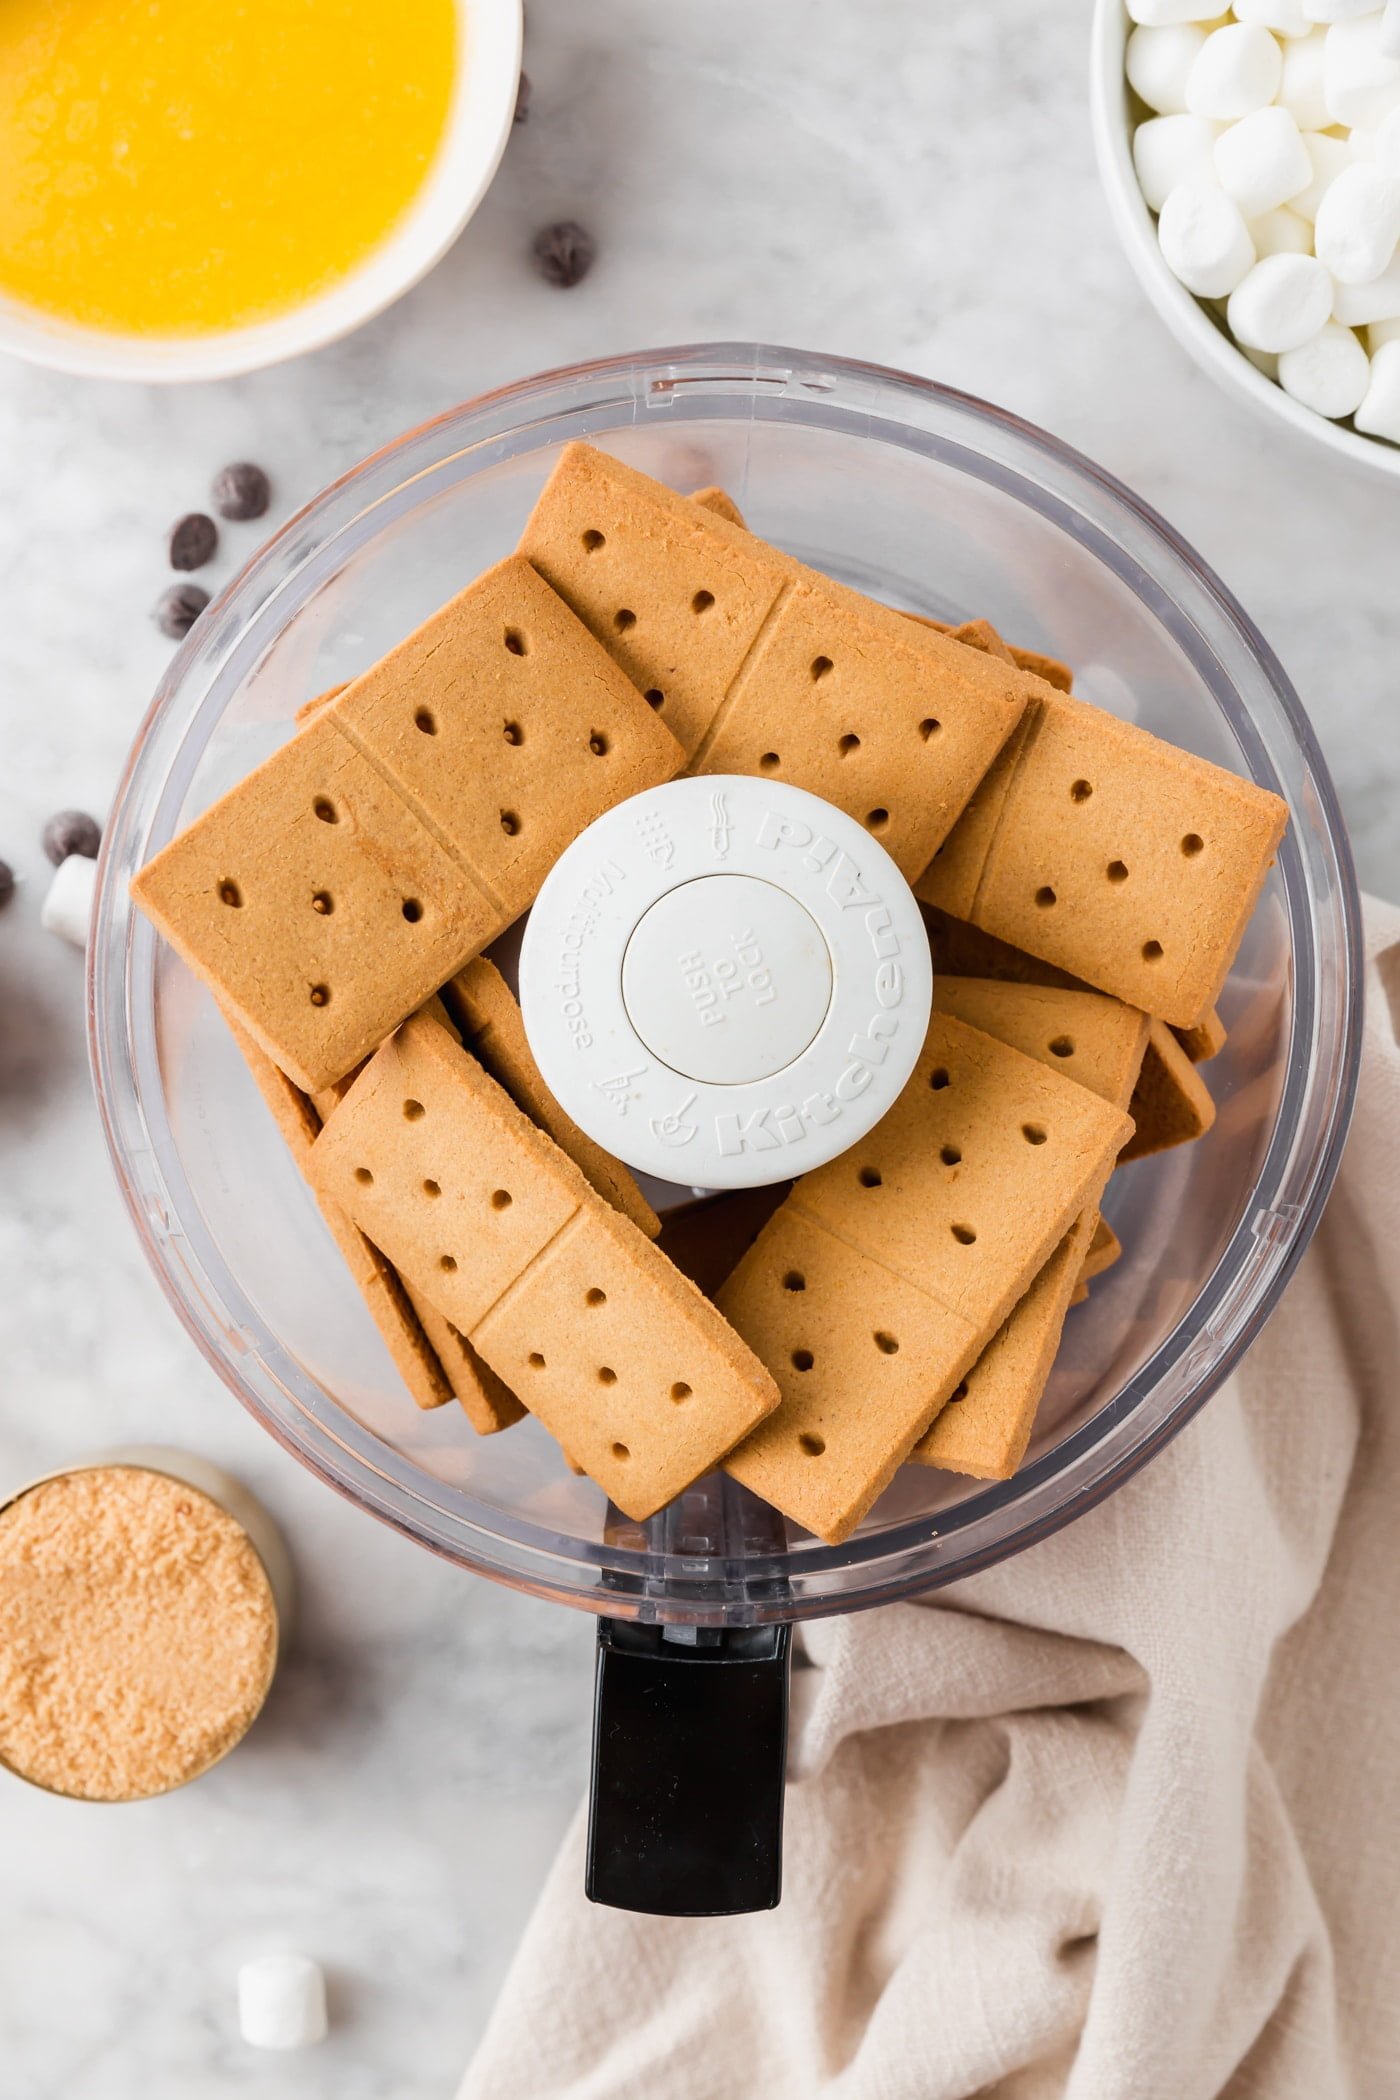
column 177, row 166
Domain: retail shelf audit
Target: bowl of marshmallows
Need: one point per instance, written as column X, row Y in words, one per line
column 1252, row 163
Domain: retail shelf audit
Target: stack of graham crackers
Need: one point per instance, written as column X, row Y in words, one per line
column 1086, row 887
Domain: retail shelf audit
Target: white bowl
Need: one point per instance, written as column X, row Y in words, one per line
column 478, row 124
column 1193, row 324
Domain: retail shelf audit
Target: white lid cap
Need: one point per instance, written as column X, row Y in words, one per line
column 725, row 981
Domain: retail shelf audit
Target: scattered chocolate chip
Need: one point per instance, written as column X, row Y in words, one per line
column 564, row 253
column 522, row 99
column 241, row 491
column 178, row 608
column 192, row 541
column 7, row 883
column 71, row 831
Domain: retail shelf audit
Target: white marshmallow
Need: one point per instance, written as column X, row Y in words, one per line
column 67, row 909
column 282, row 2002
column 1156, row 14
column 1390, row 29
column 1379, row 413
column 1238, row 69
column 1328, row 375
column 1169, row 150
column 1338, row 10
column 1385, row 145
column 1204, row 240
column 1284, row 17
column 1158, row 63
column 1261, row 162
column 1355, row 305
column 1281, row 303
column 1358, row 224
column 1281, row 232
column 1301, row 82
column 1360, row 83
column 1380, row 333
column 1329, row 157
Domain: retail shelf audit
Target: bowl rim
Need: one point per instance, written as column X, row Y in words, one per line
column 1078, row 1471
column 479, row 121
column 1183, row 313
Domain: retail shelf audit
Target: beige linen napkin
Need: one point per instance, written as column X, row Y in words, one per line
column 1117, row 1820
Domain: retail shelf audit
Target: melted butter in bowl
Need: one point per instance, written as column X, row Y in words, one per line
column 178, row 170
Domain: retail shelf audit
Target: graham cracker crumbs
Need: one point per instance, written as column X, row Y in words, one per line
column 138, row 1633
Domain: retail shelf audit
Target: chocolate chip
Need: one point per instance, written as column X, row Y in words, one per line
column 522, row 99
column 241, row 491
column 564, row 253
column 192, row 541
column 72, row 831
column 7, row 883
column 178, row 608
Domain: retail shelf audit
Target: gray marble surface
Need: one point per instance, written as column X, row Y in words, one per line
column 901, row 181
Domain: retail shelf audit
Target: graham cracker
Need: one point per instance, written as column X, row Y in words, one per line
column 328, row 894
column 312, row 707
column 985, row 1427
column 721, row 503
column 1205, row 1041
column 1120, row 858
column 507, row 729
column 1169, row 1106
column 1172, row 1104
column 1035, row 661
column 1099, row 1042
column 762, row 665
column 489, row 1019
column 1104, row 1250
column 433, row 1366
column 878, row 1283
column 632, row 1371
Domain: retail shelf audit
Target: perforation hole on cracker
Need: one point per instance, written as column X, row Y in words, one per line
column 325, row 809
column 702, row 601
column 231, row 894
column 516, row 642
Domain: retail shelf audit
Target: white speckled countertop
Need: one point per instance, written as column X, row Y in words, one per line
column 906, row 183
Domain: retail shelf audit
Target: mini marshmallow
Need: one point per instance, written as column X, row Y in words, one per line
column 1328, row 375
column 1361, row 85
column 1158, row 63
column 1281, row 303
column 1358, row 224
column 1301, row 83
column 1390, row 29
column 1169, row 150
column 1158, row 14
column 1379, row 413
column 1238, row 69
column 1204, row 240
column 67, row 909
column 1261, row 161
column 1338, row 10
column 1281, row 232
column 1385, row 145
column 1329, row 157
column 1356, row 305
column 1284, row 17
column 1382, row 332
column 282, row 2002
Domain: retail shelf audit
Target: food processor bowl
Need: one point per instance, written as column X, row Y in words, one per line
column 935, row 502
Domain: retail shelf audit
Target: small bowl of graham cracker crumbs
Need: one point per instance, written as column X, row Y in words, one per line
column 143, row 1606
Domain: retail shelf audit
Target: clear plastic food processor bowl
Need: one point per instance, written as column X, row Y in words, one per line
column 932, row 501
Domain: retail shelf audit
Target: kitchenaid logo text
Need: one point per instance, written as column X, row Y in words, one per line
column 573, row 938
column 788, row 1122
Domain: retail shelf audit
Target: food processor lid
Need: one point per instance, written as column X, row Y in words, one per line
column 725, row 981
